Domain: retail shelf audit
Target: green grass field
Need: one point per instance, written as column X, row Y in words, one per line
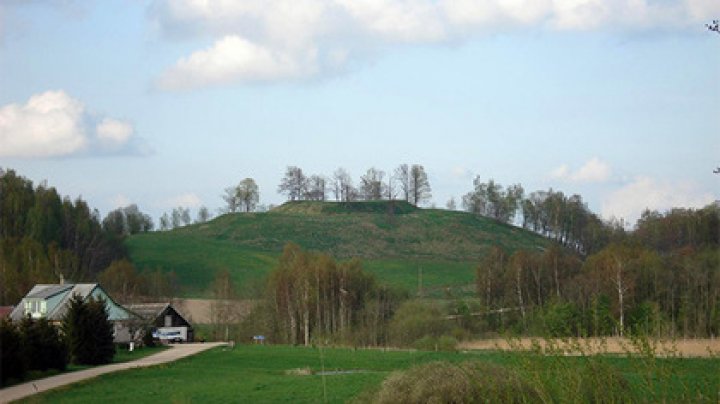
column 263, row 374
column 444, row 245
column 121, row 355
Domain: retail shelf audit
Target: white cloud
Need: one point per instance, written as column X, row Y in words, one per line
column 186, row 200
column 461, row 172
column 263, row 40
column 53, row 124
column 49, row 124
column 594, row 170
column 120, row 201
column 234, row 58
column 643, row 193
column 114, row 133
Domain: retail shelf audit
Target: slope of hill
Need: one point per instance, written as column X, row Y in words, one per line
column 395, row 240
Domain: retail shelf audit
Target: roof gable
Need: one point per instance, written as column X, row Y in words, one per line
column 154, row 312
column 57, row 298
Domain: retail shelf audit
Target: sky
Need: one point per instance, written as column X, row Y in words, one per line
column 166, row 103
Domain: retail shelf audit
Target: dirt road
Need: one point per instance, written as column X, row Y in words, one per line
column 680, row 347
column 36, row 386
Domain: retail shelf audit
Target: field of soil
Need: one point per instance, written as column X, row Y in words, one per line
column 199, row 311
column 575, row 346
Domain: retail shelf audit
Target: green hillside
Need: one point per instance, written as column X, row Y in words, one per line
column 395, row 240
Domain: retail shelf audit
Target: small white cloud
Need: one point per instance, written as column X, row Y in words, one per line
column 461, row 172
column 644, row 193
column 594, row 170
column 186, row 200
column 562, row 172
column 53, row 124
column 114, row 133
column 233, row 58
column 120, row 201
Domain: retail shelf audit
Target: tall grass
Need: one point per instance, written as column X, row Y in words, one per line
column 571, row 370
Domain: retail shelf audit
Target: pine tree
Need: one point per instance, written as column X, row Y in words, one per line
column 89, row 332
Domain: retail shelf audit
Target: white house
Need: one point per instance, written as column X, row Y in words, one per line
column 51, row 302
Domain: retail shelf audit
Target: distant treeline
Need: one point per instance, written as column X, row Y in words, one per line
column 45, row 237
column 662, row 278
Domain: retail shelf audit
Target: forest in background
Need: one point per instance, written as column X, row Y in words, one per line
column 661, row 278
column 45, row 237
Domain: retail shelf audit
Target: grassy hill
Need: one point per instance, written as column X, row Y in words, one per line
column 395, row 240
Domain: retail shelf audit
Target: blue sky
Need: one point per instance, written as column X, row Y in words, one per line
column 166, row 103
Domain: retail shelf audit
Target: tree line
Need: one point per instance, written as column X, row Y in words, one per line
column 562, row 218
column 662, row 279
column 311, row 296
column 44, row 236
column 406, row 182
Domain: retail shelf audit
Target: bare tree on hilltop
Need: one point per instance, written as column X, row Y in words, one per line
column 316, row 188
column 293, row 184
column 248, row 194
column 420, row 191
column 372, row 186
column 343, row 186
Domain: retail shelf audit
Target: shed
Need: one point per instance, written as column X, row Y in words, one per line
column 167, row 324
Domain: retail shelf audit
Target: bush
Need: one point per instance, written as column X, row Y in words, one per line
column 414, row 320
column 443, row 382
column 43, row 347
column 147, row 339
column 11, row 357
column 443, row 343
column 562, row 319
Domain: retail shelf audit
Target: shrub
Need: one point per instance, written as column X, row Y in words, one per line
column 443, row 382
column 147, row 339
column 414, row 320
column 562, row 319
column 43, row 347
column 443, row 343
column 11, row 358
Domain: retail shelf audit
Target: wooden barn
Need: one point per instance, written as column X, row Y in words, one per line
column 166, row 323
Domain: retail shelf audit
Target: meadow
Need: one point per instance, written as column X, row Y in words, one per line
column 443, row 246
column 258, row 374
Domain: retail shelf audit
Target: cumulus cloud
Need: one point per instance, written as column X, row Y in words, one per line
column 594, row 170
column 186, row 200
column 49, row 124
column 264, row 40
column 113, row 132
column 644, row 193
column 53, row 124
column 234, row 58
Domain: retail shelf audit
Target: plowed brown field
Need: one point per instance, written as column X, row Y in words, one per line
column 614, row 345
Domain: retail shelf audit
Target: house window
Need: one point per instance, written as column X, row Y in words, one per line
column 168, row 321
column 35, row 308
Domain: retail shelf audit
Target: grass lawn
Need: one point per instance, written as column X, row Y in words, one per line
column 290, row 374
column 124, row 355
